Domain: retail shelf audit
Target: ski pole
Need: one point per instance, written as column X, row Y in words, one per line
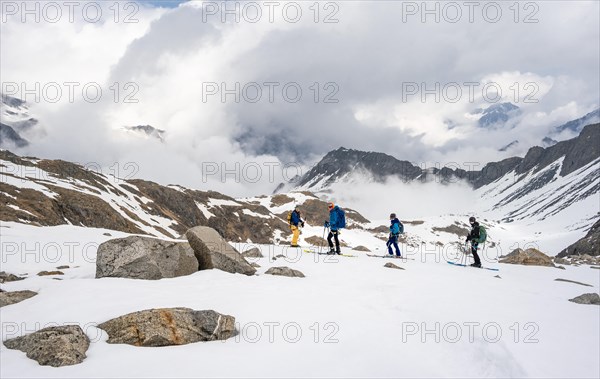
column 321, row 245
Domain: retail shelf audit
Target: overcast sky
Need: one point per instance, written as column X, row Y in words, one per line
column 357, row 64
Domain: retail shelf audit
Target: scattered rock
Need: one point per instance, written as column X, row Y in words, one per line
column 55, row 346
column 529, row 257
column 561, row 267
column 213, row 252
column 316, row 241
column 453, row 229
column 62, row 267
column 497, row 276
column 255, row 265
column 572, row 281
column 137, row 257
column 107, row 234
column 587, row 298
column 362, row 248
column 561, row 261
column 596, row 267
column 47, row 273
column 169, row 326
column 6, row 277
column 280, row 199
column 252, row 253
column 280, row 256
column 285, row 271
column 56, row 278
column 391, row 265
column 8, row 298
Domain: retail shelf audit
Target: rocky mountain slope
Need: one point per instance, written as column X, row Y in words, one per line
column 544, row 183
column 55, row 192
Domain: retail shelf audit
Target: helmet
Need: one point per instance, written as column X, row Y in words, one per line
column 471, row 219
column 330, row 205
column 393, row 215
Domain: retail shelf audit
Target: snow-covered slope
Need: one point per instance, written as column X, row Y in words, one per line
column 349, row 317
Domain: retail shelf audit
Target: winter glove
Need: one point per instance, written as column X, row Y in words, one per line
column 302, row 224
column 326, row 224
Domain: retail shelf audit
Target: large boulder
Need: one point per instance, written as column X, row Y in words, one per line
column 138, row 257
column 213, row 252
column 284, row 271
column 587, row 298
column 55, row 346
column 529, row 257
column 8, row 298
column 169, row 326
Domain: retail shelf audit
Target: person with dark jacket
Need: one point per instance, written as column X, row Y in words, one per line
column 295, row 223
column 395, row 230
column 334, row 226
column 473, row 237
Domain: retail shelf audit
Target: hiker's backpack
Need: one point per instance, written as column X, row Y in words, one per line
column 482, row 234
column 400, row 227
column 341, row 218
column 290, row 218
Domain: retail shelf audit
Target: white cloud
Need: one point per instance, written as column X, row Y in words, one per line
column 368, row 54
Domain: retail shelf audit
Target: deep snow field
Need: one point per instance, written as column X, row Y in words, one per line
column 349, row 317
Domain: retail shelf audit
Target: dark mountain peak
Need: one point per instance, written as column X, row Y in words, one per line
column 497, row 114
column 341, row 162
column 8, row 137
column 509, row 146
column 578, row 124
column 576, row 153
column 547, row 142
column 147, row 130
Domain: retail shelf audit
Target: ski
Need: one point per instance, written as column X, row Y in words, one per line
column 462, row 265
column 333, row 255
column 388, row 256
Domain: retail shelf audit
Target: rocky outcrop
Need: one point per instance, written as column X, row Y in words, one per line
column 588, row 245
column 6, row 277
column 8, row 298
column 587, row 298
column 285, row 271
column 529, row 257
column 252, row 253
column 455, row 229
column 49, row 273
column 55, row 346
column 138, row 257
column 169, row 326
column 213, row 252
column 361, row 248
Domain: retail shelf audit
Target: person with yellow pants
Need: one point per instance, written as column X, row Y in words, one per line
column 295, row 223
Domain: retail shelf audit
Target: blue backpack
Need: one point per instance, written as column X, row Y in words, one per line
column 400, row 227
column 341, row 218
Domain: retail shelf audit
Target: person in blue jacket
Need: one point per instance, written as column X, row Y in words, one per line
column 334, row 229
column 395, row 230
